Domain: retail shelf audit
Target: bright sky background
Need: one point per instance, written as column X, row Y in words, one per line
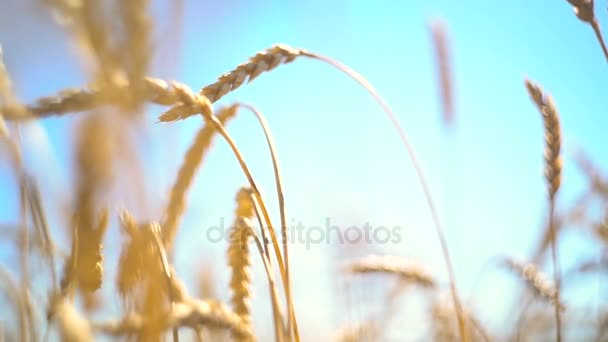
column 340, row 156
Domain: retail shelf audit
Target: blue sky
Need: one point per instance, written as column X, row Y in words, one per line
column 341, row 158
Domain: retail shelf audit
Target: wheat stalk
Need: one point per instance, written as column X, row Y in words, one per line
column 387, row 264
column 239, row 259
column 7, row 96
column 584, row 10
column 276, row 308
column 185, row 176
column 137, row 47
column 280, row 196
column 14, row 294
column 553, row 173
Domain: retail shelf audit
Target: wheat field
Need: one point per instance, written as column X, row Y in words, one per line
column 258, row 171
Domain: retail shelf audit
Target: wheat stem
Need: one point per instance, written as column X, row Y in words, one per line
column 585, row 12
column 265, row 213
column 276, row 309
column 166, row 270
column 280, row 195
column 421, row 178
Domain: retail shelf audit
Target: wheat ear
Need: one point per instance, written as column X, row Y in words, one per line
column 156, row 231
column 263, row 61
column 405, row 269
column 185, row 176
column 584, row 10
column 553, row 173
column 441, row 50
column 78, row 100
column 536, row 280
column 239, row 260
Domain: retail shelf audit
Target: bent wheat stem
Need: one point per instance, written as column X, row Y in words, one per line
column 421, row 177
column 218, row 125
column 279, row 185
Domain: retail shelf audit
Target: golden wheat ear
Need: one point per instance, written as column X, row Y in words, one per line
column 239, row 259
column 441, row 49
column 263, row 61
column 405, row 269
column 536, row 280
column 553, row 174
